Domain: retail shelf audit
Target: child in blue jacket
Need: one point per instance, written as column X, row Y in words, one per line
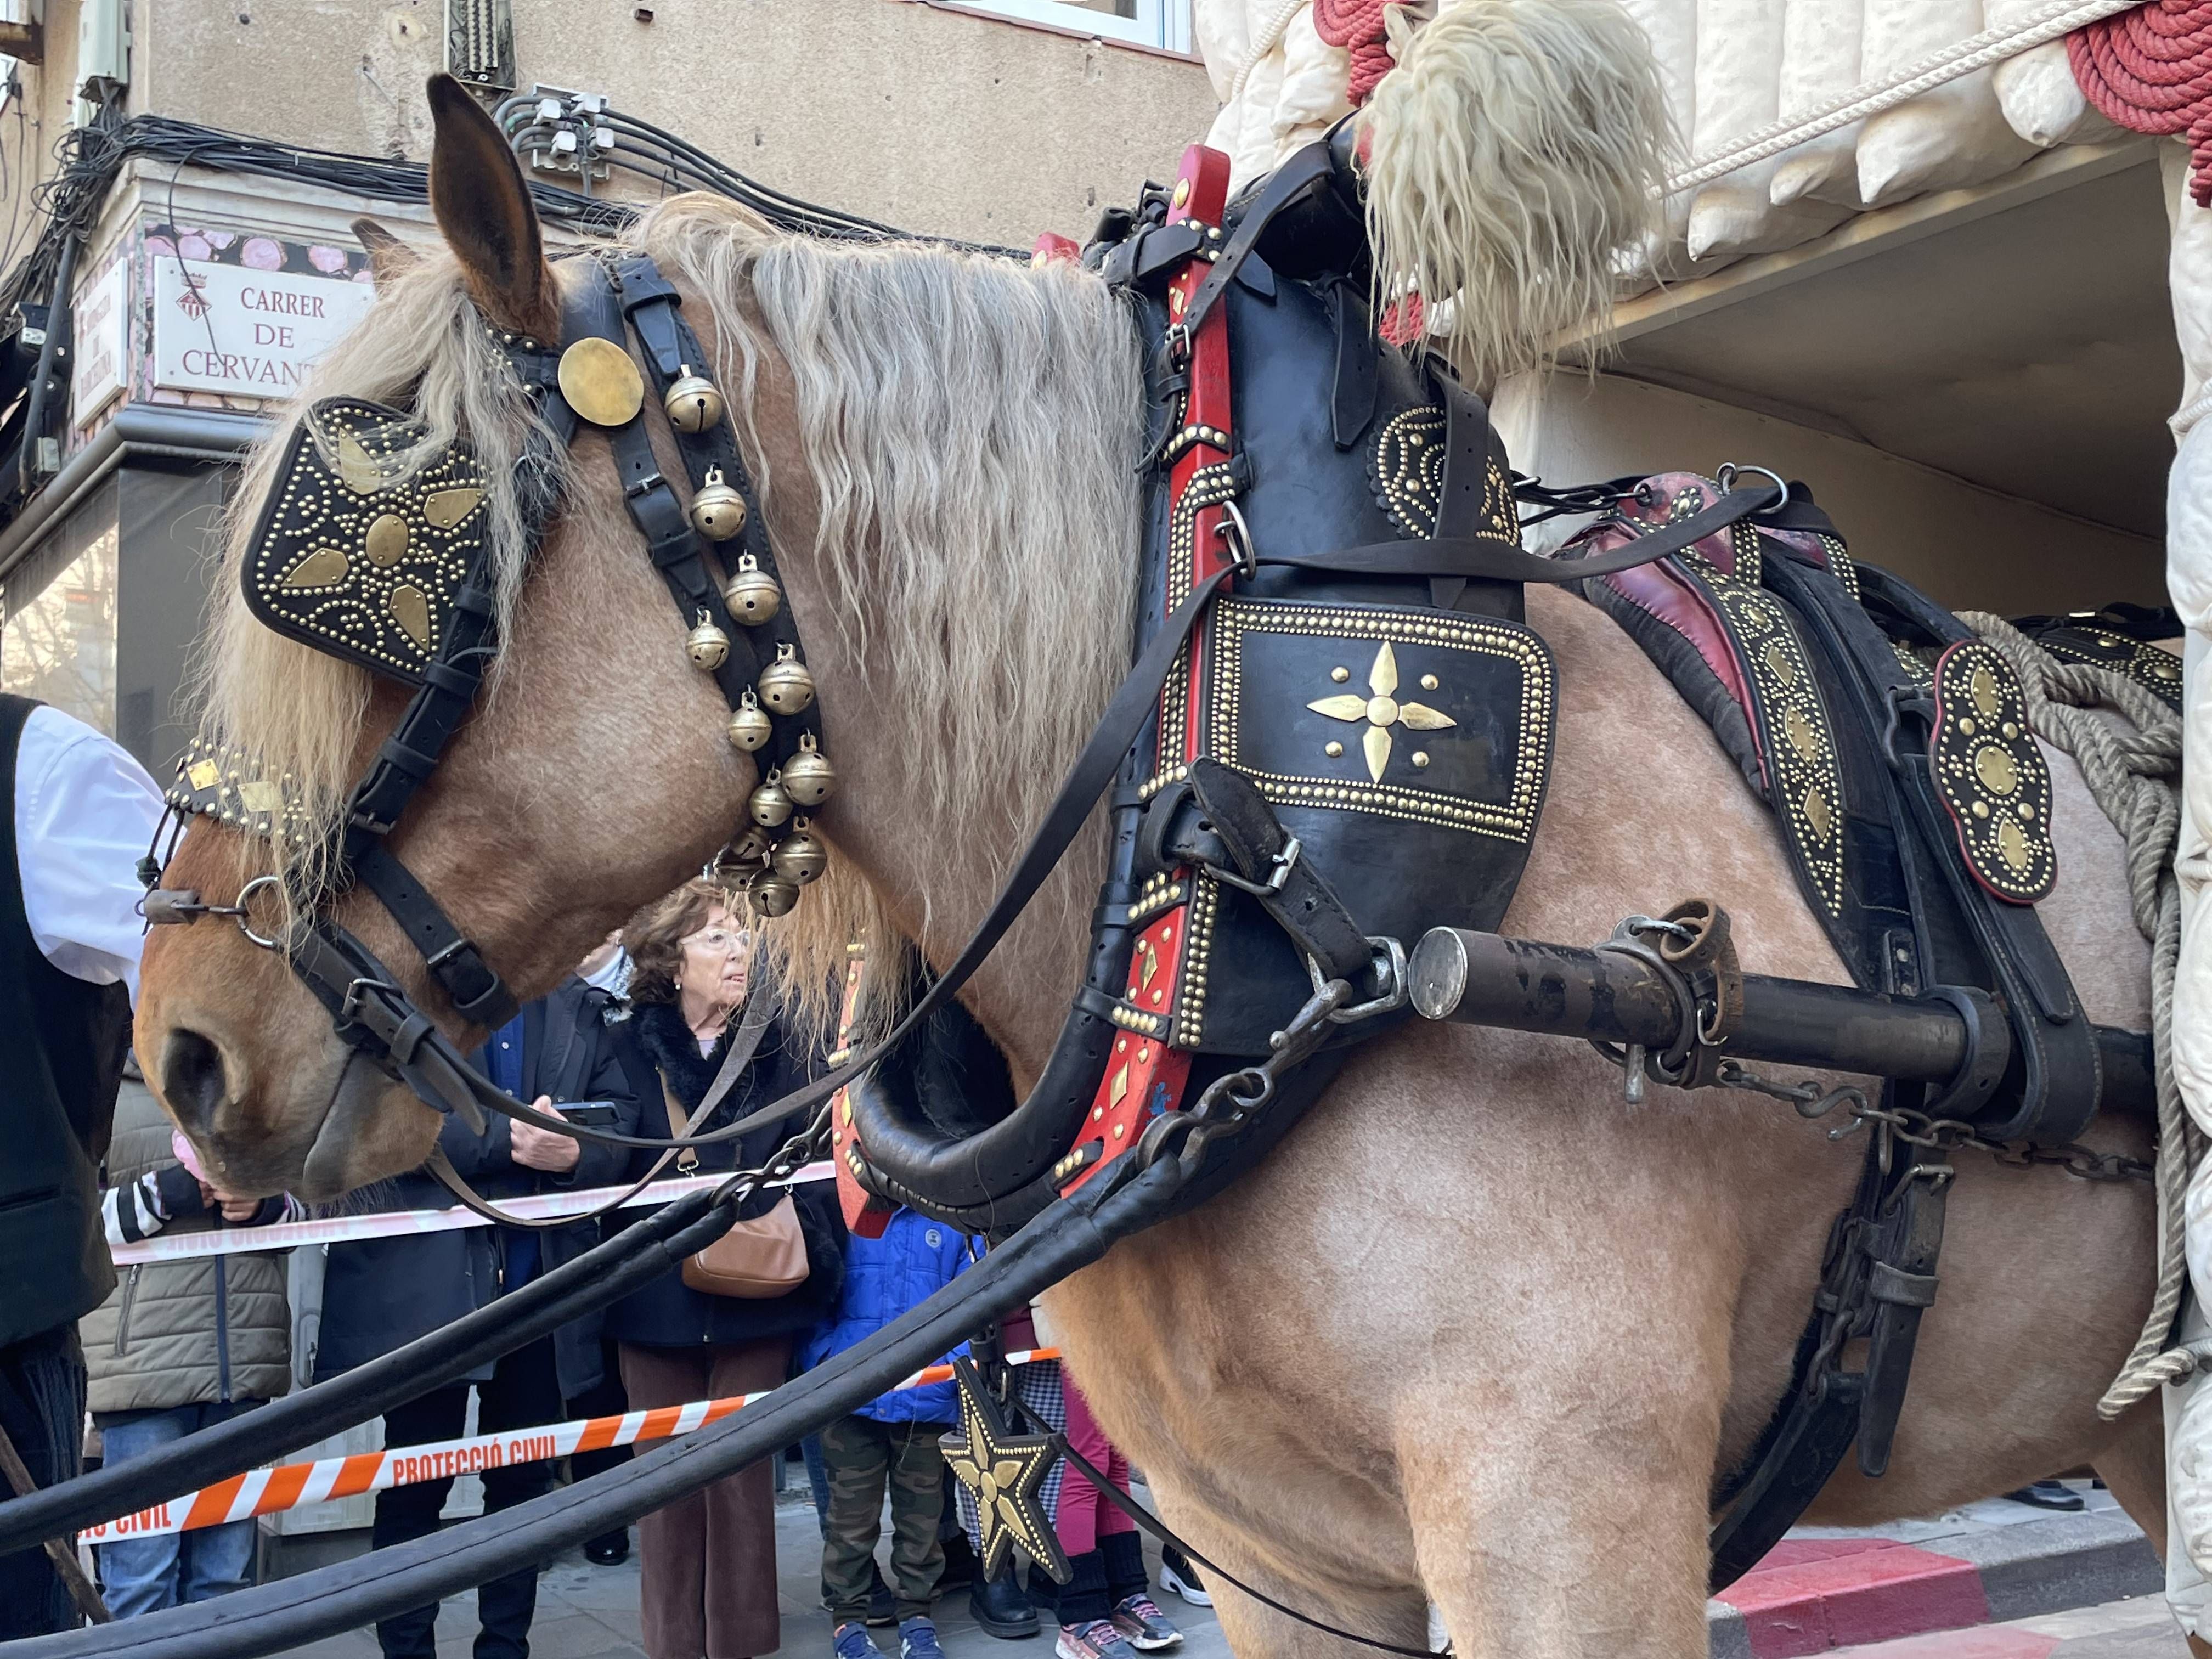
column 892, row 1440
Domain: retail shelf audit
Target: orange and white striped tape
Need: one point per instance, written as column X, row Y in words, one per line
column 294, row 1485
column 399, row 1224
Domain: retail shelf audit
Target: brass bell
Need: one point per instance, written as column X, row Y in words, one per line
column 709, row 645
column 800, row 857
column 770, row 806
column 752, row 595
column 808, row 777
column 692, row 402
column 718, row 512
column 749, row 726
column 785, row 685
column 748, row 851
column 772, row 895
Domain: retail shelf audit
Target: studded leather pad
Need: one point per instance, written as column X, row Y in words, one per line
column 358, row 553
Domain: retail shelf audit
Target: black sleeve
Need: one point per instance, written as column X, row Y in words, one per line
column 823, row 1226
column 474, row 1156
column 598, row 1164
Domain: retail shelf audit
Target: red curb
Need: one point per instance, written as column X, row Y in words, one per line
column 1809, row 1595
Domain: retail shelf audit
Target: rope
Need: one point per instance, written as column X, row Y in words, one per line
column 2134, row 777
column 1357, row 26
column 2150, row 70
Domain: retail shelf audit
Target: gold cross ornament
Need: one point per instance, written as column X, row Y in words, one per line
column 1004, row 1473
column 1381, row 711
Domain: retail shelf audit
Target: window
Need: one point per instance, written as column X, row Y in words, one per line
column 1163, row 23
column 58, row 644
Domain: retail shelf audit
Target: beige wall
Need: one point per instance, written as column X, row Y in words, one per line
column 1966, row 546
column 931, row 119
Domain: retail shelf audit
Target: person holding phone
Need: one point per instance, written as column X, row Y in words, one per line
column 561, row 1054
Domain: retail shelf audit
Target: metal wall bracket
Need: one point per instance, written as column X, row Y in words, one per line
column 480, row 44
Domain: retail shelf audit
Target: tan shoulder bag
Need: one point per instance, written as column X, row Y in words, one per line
column 757, row 1260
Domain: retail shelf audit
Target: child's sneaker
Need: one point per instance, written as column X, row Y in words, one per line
column 1098, row 1639
column 1178, row 1574
column 918, row 1639
column 850, row 1641
column 1143, row 1626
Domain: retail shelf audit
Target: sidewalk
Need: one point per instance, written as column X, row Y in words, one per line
column 585, row 1612
column 1822, row 1588
column 1993, row 1561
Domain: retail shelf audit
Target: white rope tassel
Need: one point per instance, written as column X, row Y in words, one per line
column 2134, row 777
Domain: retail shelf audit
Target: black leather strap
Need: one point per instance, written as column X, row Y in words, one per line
column 1308, row 169
column 1298, row 896
column 478, row 994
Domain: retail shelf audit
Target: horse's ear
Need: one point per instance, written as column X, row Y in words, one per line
column 389, row 259
column 484, row 209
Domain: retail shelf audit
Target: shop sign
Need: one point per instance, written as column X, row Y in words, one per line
column 100, row 330
column 254, row 333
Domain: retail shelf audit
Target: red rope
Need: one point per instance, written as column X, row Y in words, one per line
column 1357, row 26
column 2150, row 70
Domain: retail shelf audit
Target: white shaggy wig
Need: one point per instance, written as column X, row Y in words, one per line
column 1516, row 151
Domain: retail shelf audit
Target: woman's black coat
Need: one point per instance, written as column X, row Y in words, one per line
column 381, row 1293
column 668, row 1314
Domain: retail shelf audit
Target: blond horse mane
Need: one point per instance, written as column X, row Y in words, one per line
column 971, row 428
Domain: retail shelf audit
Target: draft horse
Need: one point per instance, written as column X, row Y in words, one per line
column 1478, row 1334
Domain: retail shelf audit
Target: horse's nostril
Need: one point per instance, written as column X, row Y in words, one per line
column 191, row 1075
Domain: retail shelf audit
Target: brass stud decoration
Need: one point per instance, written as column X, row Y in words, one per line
column 600, row 383
column 1004, row 1473
column 364, row 543
column 1381, row 711
column 1996, row 787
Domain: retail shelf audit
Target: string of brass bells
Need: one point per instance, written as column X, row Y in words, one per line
column 773, row 871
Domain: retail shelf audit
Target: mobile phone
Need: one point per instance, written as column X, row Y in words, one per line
column 592, row 1115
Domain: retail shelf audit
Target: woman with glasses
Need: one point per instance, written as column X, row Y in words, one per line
column 708, row 1581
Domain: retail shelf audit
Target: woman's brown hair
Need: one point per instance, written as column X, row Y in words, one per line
column 655, row 936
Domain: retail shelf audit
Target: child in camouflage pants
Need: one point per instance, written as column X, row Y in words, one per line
column 891, row 1442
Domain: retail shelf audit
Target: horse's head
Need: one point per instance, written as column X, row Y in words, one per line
column 945, row 444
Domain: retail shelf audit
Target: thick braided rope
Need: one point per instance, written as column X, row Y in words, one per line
column 2150, row 70
column 2134, row 777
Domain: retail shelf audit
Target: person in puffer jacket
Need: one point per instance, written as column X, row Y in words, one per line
column 178, row 1346
column 890, row 1440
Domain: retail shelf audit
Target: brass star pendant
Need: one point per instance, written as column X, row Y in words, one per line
column 1005, row 1473
column 1381, row 711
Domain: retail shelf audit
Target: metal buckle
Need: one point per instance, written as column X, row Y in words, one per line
column 1284, row 862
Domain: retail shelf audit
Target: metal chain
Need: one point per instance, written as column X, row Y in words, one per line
column 1232, row 1100
column 1941, row 1134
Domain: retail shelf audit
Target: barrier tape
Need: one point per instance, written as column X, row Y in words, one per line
column 393, row 1224
column 294, row 1485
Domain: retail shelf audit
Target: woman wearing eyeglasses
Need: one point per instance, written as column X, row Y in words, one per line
column 708, row 1581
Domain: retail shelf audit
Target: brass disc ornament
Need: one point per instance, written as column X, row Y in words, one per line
column 600, row 382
